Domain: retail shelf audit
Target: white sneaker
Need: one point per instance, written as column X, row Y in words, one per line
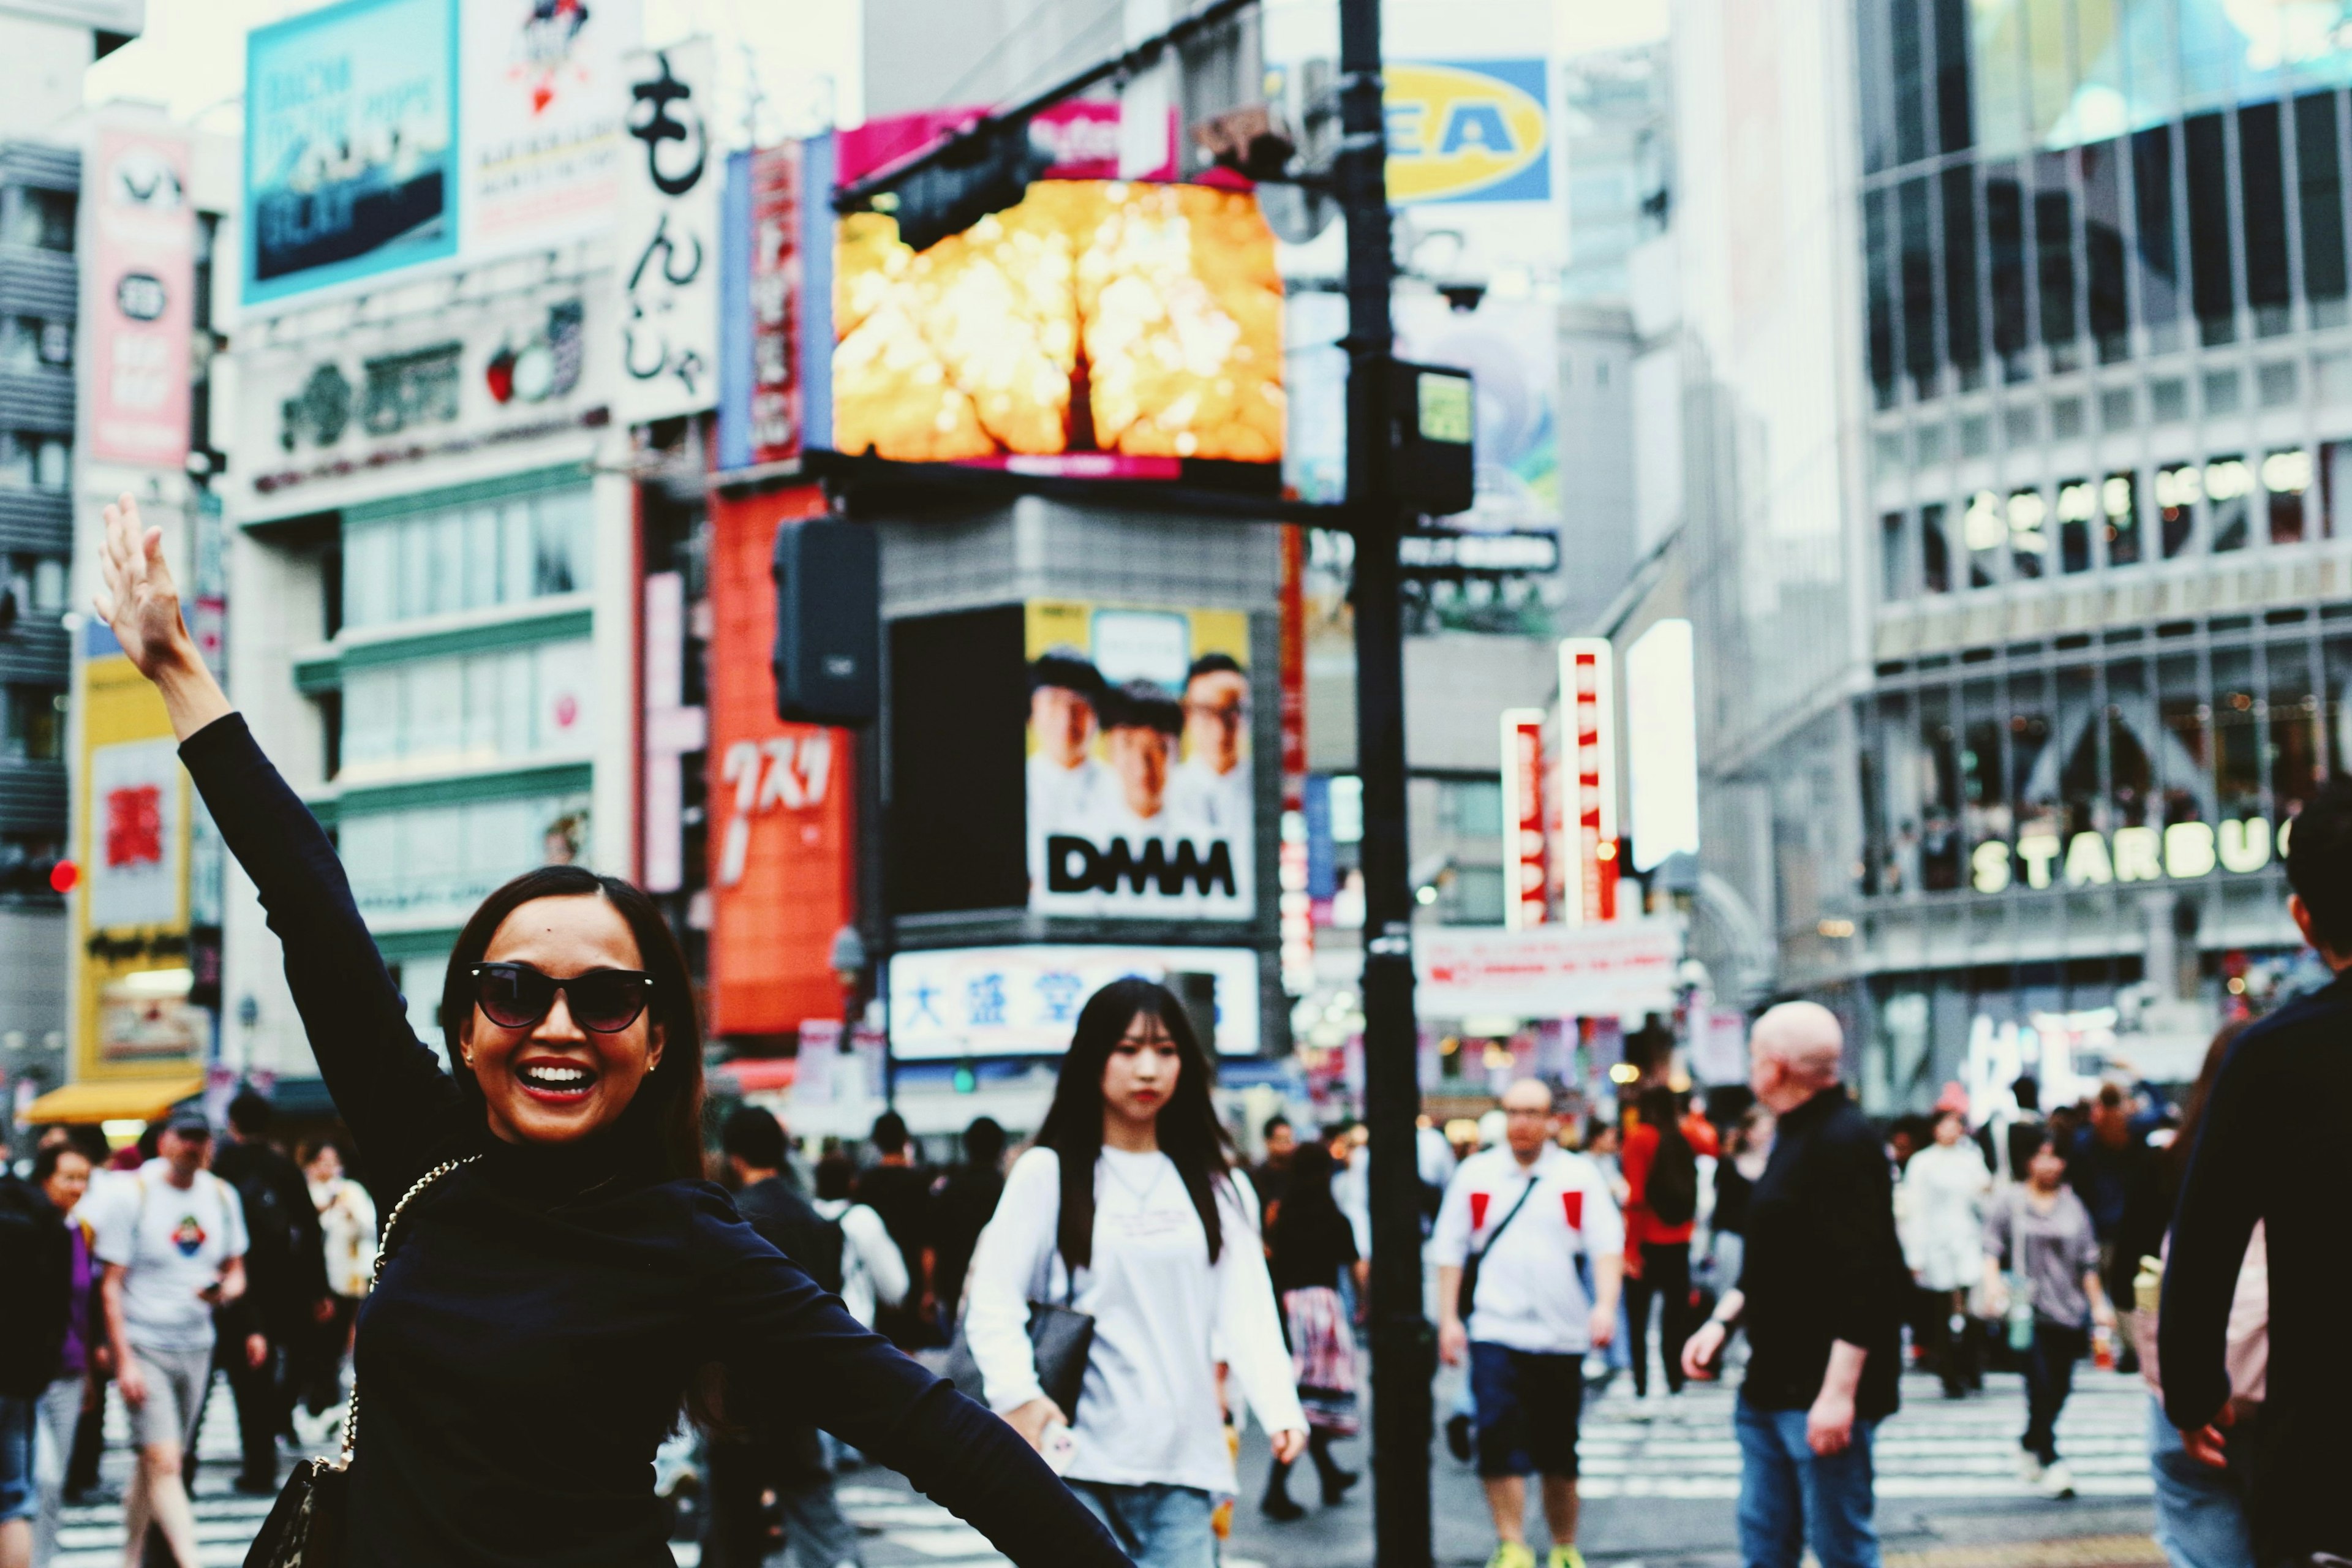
column 2029, row 1468
column 2058, row 1481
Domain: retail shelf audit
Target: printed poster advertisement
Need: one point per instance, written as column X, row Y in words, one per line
column 543, row 125
column 140, row 303
column 1140, row 774
column 670, row 238
column 350, row 147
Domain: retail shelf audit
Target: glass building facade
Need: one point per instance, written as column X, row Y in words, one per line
column 2108, row 464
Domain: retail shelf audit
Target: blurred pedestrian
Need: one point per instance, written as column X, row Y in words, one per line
column 763, row 1446
column 1821, row 1296
column 1744, row 1153
column 1310, row 1245
column 61, row 1171
column 1941, row 1200
column 874, row 1273
column 172, row 1241
column 2201, row 1508
column 1660, row 1209
column 1271, row 1175
column 1515, row 1223
column 286, row 1296
column 347, row 1221
column 2268, row 1150
column 898, row 1188
column 37, row 1262
column 1126, row 1211
column 962, row 1201
column 2040, row 1232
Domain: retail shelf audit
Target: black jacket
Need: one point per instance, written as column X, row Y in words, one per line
column 1822, row 1261
column 285, row 1256
column 37, row 1263
column 2271, row 1148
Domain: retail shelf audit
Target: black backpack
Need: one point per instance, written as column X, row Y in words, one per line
column 787, row 1220
column 1673, row 1190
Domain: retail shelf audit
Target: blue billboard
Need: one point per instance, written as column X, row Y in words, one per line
column 350, row 144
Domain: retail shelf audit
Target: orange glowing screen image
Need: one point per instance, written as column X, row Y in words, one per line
column 1094, row 316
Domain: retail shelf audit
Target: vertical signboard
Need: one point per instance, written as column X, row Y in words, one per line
column 1588, row 722
column 782, row 859
column 670, row 238
column 1662, row 743
column 134, row 1015
column 1298, row 901
column 140, row 307
column 1526, row 896
column 350, row 144
column 760, row 391
column 542, row 120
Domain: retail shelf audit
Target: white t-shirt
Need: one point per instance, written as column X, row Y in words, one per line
column 1163, row 1316
column 1529, row 1298
column 174, row 1242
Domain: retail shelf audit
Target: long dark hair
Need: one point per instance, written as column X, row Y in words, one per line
column 665, row 1118
column 1308, row 1210
column 1190, row 1132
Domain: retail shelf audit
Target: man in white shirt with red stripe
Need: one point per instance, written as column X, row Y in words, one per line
column 1523, row 1213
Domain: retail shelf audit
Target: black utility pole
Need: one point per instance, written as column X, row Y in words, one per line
column 1402, row 1363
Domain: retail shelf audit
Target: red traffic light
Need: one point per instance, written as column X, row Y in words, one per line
column 63, row 876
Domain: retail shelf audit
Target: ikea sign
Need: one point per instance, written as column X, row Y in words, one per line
column 1468, row 130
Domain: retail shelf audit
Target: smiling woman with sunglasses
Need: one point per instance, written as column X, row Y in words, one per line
column 547, row 1304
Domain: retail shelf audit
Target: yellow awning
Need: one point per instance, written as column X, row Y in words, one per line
column 114, row 1100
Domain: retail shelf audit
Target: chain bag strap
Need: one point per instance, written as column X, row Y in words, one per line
column 306, row 1528
column 376, row 1277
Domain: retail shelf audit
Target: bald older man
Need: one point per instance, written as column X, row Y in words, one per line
column 1821, row 1296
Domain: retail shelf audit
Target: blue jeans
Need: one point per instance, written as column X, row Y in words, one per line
column 1790, row 1495
column 17, row 1497
column 2201, row 1512
column 1159, row 1526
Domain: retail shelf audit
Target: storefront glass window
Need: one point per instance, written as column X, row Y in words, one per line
column 2297, row 767
column 2131, row 773
column 2185, row 754
column 1941, row 848
column 2237, row 741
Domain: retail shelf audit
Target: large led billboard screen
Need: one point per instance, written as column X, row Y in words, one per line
column 1102, row 328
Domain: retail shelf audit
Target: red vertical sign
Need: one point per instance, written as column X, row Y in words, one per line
column 776, row 392
column 1588, row 733
column 1297, row 904
column 782, row 850
column 1524, row 861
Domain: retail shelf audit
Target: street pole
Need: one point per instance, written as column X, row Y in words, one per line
column 1402, row 1363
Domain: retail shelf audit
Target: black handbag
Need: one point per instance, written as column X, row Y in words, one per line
column 1465, row 1295
column 1061, row 1338
column 305, row 1528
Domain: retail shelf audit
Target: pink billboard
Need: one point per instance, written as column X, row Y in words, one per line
column 140, row 310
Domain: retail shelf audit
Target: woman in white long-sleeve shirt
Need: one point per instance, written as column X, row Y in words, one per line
column 872, row 1269
column 1125, row 1210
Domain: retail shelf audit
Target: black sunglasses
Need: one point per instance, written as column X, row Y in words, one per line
column 517, row 996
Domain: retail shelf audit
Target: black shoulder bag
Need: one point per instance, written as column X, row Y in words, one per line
column 305, row 1529
column 1061, row 1338
column 1465, row 1297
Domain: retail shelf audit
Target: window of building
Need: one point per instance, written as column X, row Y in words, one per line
column 35, row 724
column 2274, row 384
column 1920, row 358
column 2229, row 487
column 30, row 345
column 2118, row 409
column 32, row 461
column 2178, row 488
column 2212, row 283
column 2319, row 172
column 1963, row 330
column 42, row 219
column 1894, row 558
column 1929, row 441
column 1935, row 551
column 433, row 860
column 2185, row 753
column 1471, row 808
column 471, row 710
column 2066, row 418
column 1984, row 529
column 1976, row 436
column 487, row 554
column 2168, row 400
column 2029, row 533
column 2286, row 476
column 2054, row 247
column 38, row 584
column 2157, row 266
column 2005, row 244
column 2078, row 511
column 2222, row 392
column 1473, row 896
column 2237, row 737
column 2119, row 502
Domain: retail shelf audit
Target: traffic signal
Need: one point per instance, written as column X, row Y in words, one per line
column 1431, row 413
column 828, row 657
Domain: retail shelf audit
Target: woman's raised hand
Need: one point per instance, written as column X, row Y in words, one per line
column 137, row 598
column 136, row 595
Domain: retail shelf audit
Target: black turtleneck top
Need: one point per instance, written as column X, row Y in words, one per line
column 543, row 1309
